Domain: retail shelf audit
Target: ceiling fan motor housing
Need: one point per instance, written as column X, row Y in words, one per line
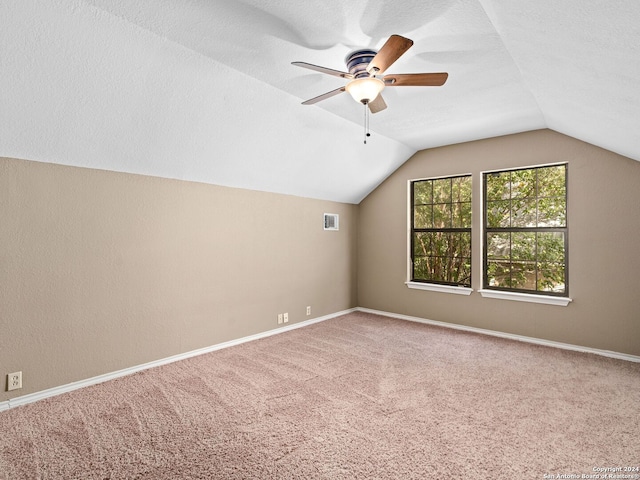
column 357, row 62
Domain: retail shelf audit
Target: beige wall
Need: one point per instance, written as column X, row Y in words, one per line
column 100, row 271
column 604, row 233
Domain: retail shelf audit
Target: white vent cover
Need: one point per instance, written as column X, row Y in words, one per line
column 331, row 221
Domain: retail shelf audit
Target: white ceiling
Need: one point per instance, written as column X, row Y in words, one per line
column 204, row 90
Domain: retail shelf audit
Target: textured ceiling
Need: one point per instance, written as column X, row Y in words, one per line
column 204, row 90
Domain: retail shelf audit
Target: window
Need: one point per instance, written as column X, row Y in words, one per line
column 525, row 230
column 441, row 231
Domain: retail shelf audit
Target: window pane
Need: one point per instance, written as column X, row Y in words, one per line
column 551, row 247
column 499, row 214
column 464, row 244
column 440, row 243
column 498, row 246
column 498, row 273
column 422, row 192
column 438, row 268
column 461, row 189
column 551, row 181
column 461, row 215
column 422, row 216
column 420, row 270
column 464, row 272
column 442, row 216
column 421, row 244
column 523, row 246
column 523, row 275
column 453, row 244
column 523, row 183
column 523, row 212
column 498, row 186
column 551, row 277
column 457, row 245
column 459, row 270
column 552, row 212
column 442, row 190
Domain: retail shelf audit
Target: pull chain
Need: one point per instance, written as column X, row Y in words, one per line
column 366, row 123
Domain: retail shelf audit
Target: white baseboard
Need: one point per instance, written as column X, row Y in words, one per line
column 51, row 392
column 510, row 336
column 34, row 397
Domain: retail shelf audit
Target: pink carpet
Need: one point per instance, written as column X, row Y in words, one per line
column 356, row 397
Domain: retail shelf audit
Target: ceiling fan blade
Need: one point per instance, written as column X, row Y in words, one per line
column 415, row 79
column 391, row 51
column 324, row 96
column 328, row 71
column 378, row 104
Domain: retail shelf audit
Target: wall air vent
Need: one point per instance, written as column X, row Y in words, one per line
column 331, row 221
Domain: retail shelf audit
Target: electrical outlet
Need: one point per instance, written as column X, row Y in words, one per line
column 14, row 381
column 308, row 310
column 279, row 318
column 285, row 317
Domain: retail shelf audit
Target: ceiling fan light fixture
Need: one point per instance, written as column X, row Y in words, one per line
column 365, row 90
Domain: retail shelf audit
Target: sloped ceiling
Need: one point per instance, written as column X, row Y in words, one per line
column 204, row 90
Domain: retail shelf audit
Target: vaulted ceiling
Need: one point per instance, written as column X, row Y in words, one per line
column 204, row 90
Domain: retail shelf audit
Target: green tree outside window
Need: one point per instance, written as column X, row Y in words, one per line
column 526, row 230
column 441, row 231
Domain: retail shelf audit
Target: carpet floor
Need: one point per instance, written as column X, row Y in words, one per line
column 356, row 397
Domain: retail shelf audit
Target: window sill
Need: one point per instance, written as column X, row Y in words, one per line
column 525, row 297
column 434, row 287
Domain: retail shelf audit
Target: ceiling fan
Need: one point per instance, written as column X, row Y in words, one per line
column 366, row 81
